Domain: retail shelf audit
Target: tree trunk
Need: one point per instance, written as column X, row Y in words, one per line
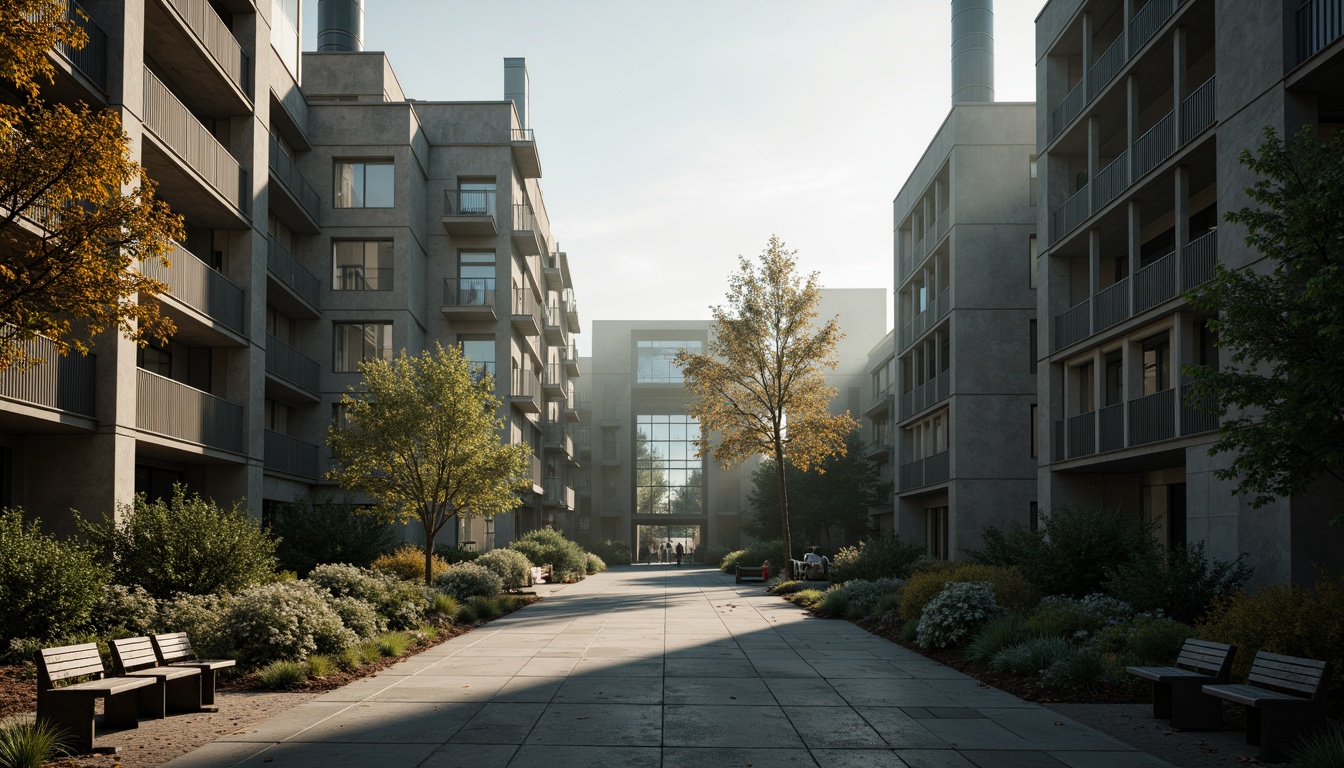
column 787, row 566
column 429, row 552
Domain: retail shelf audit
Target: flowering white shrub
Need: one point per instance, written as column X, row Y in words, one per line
column 129, row 608
column 357, row 616
column 201, row 617
column 950, row 617
column 511, row 566
column 285, row 620
column 400, row 604
column 464, row 581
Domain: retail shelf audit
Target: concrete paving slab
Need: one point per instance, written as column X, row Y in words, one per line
column 471, row 756
column 720, row 691
column 699, row 757
column 833, row 728
column 389, row 723
column 858, row 758
column 325, row 755
column 635, row 725
column 587, row 757
column 500, row 723
column 719, row 726
column 541, row 689
column 610, row 690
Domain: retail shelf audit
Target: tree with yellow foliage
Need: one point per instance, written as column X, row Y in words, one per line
column 762, row 387
column 77, row 215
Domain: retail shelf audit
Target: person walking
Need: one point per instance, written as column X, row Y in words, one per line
column 680, row 551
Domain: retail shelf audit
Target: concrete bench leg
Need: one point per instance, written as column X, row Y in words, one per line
column 152, row 701
column 207, row 687
column 73, row 717
column 1192, row 710
column 1161, row 700
column 184, row 694
column 1280, row 728
column 122, row 710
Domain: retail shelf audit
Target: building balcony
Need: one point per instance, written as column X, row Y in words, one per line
column 290, row 375
column 571, row 361
column 289, row 456
column 556, row 438
column 194, row 285
column 936, row 310
column 928, row 242
column 1150, row 150
column 1319, row 24
column 534, row 472
column 173, row 409
column 91, row 60
column 927, row 471
column 469, row 213
column 1144, row 420
column 926, row 395
column 571, row 308
column 556, row 271
column 297, row 202
column 557, row 493
column 878, row 404
column 195, row 46
column 524, row 391
column 527, row 235
column 525, row 313
column 878, row 451
column 1150, row 287
column 525, row 157
column 553, row 316
column 469, row 299
column 569, row 410
column 62, row 383
column 193, row 170
column 289, row 285
column 290, row 115
column 553, row 383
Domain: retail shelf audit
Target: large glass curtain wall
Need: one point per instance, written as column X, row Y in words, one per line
column 668, row 475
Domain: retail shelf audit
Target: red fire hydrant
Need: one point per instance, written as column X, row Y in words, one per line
column 765, row 570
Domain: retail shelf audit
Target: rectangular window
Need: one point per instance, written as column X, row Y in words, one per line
column 1083, row 374
column 480, row 353
column 1035, row 434
column 935, row 533
column 476, row 278
column 279, row 325
column 1031, row 181
column 1032, row 253
column 668, row 476
column 1032, row 349
column 1115, row 377
column 364, row 184
column 656, row 360
column 476, row 198
column 155, row 358
column 357, row 342
column 1156, row 365
column 361, row 265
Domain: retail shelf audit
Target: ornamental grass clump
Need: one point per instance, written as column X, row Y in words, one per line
column 394, row 643
column 512, row 567
column 955, row 613
column 1031, row 657
column 285, row 620
column 862, row 595
column 995, row 634
column 1076, row 668
column 1322, row 749
column 464, row 581
column 282, row 674
column 26, row 744
column 808, row 597
column 320, row 665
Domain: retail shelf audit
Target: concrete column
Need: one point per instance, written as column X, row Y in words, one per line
column 1087, row 53
column 1093, row 150
column 1180, row 329
column 1178, row 71
column 1135, row 228
column 1181, row 207
column 1131, row 122
column 1093, row 261
column 1131, row 376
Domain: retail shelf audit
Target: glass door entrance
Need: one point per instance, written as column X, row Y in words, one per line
column 658, row 543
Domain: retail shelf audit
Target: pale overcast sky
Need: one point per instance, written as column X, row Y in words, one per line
column 676, row 136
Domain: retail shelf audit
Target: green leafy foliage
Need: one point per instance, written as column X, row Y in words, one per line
column 860, row 596
column 957, row 611
column 1011, row 590
column 1078, row 620
column 887, row 556
column 1074, row 550
column 407, row 562
column 451, row 554
column 1284, row 328
column 808, row 598
column 613, row 552
column 1144, row 640
column 595, row 564
column 26, row 744
column 286, row 620
column 202, row 618
column 511, row 566
column 467, row 580
column 126, row 611
column 546, row 546
column 1290, row 619
column 1182, row 583
column 399, row 603
column 48, row 587
column 187, row 544
column 314, row 534
column 357, row 616
column 283, row 674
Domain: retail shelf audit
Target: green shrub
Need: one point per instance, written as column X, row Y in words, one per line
column 466, row 614
column 512, row 567
column 315, row 534
column 715, row 555
column 1074, row 550
column 26, row 744
column 1292, row 620
column 546, row 546
column 1032, row 656
column 997, row 633
column 187, row 544
column 1145, row 640
column 613, row 552
column 126, row 611
column 486, row 608
column 357, row 616
column 394, row 643
column 1078, row 668
column 48, row 587
column 453, row 555
column 730, row 560
column 320, row 666
column 888, row 603
column 785, row 587
column 282, row 674
column 1322, row 749
column 1011, row 590
column 754, row 555
column 1182, row 584
column 1078, row 620
column 861, row 596
column 400, row 604
column 808, row 597
column 286, row 620
column 950, row 617
column 408, row 564
column 833, row 603
column 881, row 557
column 595, row 564
column 467, row 580
column 444, row 605
column 202, row 618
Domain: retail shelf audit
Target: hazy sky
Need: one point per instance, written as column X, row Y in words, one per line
column 676, row 136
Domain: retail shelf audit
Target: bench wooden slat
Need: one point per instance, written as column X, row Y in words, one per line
column 174, row 646
column 1294, row 661
column 1248, row 695
column 133, row 653
column 108, row 687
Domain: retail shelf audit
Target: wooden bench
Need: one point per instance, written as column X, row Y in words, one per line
column 69, row 708
column 174, row 650
column 1284, row 698
column 750, row 572
column 1176, row 689
column 179, row 688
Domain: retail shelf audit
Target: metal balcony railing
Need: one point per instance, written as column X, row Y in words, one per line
column 287, row 269
column 469, row 202
column 1111, row 420
column 285, row 362
column 290, row 456
column 1198, row 414
column 1111, row 181
column 937, row 468
column 1319, row 23
column 468, row 292
column 199, row 286
column 91, row 60
column 1152, row 417
column 173, row 409
column 1072, row 212
column 521, row 134
column 1155, row 283
column 65, row 383
column 1074, row 324
column 1083, row 434
column 1147, row 21
column 1198, row 259
column 175, row 125
column 215, row 37
column 1197, row 111
column 1155, row 145
column 523, row 383
column 1107, row 67
column 1111, row 305
column 293, row 180
column 1069, row 108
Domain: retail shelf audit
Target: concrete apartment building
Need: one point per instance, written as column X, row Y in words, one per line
column 958, row 387
column 642, row 475
column 330, row 219
column 1144, row 109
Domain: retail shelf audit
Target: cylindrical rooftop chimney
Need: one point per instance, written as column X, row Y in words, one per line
column 340, row 25
column 516, row 87
column 972, row 51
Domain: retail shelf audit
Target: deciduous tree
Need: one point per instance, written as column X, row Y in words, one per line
column 1282, row 399
column 762, row 387
column 77, row 215
column 422, row 438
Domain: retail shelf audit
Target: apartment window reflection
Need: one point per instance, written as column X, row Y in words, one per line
column 479, row 352
column 1156, row 365
column 476, row 198
column 656, row 360
column 668, row 476
column 365, row 184
column 358, row 342
column 476, row 277
column 362, row 265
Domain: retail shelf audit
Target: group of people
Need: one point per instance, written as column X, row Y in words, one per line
column 666, row 552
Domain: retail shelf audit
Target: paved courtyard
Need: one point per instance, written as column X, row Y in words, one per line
column 665, row 666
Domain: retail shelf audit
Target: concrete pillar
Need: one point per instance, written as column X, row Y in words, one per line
column 1180, row 344
column 1093, row 261
column 1181, row 208
column 1131, row 122
column 1178, row 75
column 1093, row 150
column 1087, row 53
column 1135, row 224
